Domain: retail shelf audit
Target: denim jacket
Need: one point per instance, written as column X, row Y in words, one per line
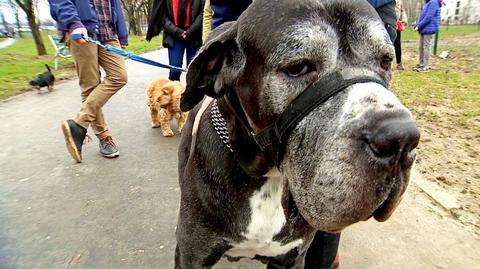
column 73, row 14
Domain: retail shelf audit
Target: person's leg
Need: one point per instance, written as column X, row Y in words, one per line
column 322, row 251
column 115, row 79
column 85, row 56
column 86, row 62
column 175, row 58
column 427, row 49
column 191, row 52
column 421, row 51
column 398, row 47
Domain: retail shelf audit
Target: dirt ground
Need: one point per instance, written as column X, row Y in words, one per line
column 449, row 151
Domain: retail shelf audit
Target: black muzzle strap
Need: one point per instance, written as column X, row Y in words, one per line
column 274, row 137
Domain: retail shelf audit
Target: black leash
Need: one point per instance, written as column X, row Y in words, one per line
column 273, row 138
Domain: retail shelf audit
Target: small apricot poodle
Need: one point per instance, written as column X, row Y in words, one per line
column 163, row 98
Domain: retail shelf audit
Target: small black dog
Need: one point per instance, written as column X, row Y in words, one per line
column 45, row 79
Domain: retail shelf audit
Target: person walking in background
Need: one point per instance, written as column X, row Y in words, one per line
column 398, row 40
column 386, row 11
column 181, row 21
column 427, row 25
column 103, row 20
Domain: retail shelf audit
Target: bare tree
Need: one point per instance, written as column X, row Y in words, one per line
column 146, row 9
column 28, row 8
column 4, row 23
column 14, row 9
column 412, row 9
column 137, row 12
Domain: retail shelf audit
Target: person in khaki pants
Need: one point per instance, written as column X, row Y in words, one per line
column 103, row 20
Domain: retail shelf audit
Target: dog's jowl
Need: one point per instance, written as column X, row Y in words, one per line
column 303, row 133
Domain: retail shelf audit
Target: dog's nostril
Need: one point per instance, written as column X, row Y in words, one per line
column 393, row 138
column 383, row 147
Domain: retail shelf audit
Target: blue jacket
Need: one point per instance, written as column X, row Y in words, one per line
column 73, row 14
column 429, row 20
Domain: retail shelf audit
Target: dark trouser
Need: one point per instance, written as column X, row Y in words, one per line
column 392, row 31
column 322, row 251
column 175, row 56
column 398, row 47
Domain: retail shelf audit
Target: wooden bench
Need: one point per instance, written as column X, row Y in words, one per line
column 61, row 49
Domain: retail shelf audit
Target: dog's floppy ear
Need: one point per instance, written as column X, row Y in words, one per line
column 166, row 90
column 207, row 73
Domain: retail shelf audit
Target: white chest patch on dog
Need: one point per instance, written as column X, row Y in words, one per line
column 267, row 220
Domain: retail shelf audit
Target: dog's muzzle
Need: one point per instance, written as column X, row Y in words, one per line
column 272, row 139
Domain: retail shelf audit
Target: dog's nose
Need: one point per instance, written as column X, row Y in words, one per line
column 393, row 140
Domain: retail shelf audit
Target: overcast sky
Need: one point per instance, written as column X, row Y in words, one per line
column 43, row 12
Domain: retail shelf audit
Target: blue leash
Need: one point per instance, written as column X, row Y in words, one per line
column 129, row 55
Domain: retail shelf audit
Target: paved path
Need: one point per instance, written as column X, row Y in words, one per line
column 7, row 43
column 121, row 213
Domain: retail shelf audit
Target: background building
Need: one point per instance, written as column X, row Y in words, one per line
column 461, row 12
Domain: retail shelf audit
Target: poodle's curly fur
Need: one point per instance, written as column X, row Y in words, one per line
column 163, row 99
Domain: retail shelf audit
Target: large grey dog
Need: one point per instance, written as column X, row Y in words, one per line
column 347, row 160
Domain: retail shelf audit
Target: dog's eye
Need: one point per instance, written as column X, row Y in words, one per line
column 299, row 69
column 386, row 62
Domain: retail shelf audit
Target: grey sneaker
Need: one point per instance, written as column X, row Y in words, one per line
column 107, row 148
column 418, row 66
column 74, row 136
column 423, row 69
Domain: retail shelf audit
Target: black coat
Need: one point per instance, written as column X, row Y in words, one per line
column 161, row 18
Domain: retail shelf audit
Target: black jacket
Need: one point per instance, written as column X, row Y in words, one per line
column 161, row 18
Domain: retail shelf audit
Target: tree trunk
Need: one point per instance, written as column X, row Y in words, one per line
column 138, row 22
column 34, row 27
column 134, row 22
column 5, row 25
column 14, row 8
column 133, row 25
column 17, row 19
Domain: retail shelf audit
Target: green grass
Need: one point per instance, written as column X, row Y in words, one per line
column 138, row 44
column 451, row 90
column 20, row 63
column 452, row 31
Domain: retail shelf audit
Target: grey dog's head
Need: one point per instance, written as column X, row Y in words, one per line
column 350, row 158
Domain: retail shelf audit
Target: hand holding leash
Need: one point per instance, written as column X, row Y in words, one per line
column 79, row 35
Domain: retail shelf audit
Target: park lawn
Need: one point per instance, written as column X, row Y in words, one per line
column 446, row 105
column 20, row 64
column 445, row 32
column 451, row 88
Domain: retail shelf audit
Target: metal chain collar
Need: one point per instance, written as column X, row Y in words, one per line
column 220, row 125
